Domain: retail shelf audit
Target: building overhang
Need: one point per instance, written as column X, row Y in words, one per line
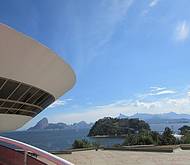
column 31, row 78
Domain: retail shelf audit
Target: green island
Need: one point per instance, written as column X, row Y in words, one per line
column 135, row 132
column 117, row 127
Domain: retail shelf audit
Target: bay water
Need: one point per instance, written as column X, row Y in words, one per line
column 58, row 140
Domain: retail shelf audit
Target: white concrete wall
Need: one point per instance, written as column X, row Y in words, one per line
column 25, row 60
column 9, row 122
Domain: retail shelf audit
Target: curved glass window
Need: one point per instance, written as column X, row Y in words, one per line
column 22, row 99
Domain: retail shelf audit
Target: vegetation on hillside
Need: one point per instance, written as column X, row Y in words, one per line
column 185, row 131
column 142, row 138
column 167, row 137
column 136, row 132
column 82, row 144
column 151, row 137
column 116, row 127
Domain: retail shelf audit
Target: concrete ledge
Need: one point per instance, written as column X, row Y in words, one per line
column 82, row 149
column 61, row 152
column 167, row 149
column 69, row 151
column 185, row 146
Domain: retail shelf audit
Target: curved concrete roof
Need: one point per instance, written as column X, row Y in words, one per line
column 26, row 60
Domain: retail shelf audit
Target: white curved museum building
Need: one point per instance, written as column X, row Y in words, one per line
column 31, row 78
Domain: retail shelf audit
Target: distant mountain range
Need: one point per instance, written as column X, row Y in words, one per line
column 170, row 117
column 45, row 125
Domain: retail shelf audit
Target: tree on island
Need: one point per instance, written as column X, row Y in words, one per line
column 151, row 137
column 137, row 132
column 185, row 129
column 185, row 132
column 117, row 127
column 82, row 144
column 157, row 138
column 142, row 138
column 167, row 137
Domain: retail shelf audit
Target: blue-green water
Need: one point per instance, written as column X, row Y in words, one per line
column 56, row 140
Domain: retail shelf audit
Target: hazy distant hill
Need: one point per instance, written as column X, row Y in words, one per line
column 122, row 116
column 170, row 117
column 44, row 125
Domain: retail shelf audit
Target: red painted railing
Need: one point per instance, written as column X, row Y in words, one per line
column 28, row 148
column 9, row 156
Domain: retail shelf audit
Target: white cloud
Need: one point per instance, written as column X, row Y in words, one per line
column 163, row 92
column 153, row 3
column 157, row 88
column 161, row 105
column 68, row 99
column 105, row 19
column 156, row 91
column 111, row 13
column 182, row 31
column 128, row 107
column 59, row 103
column 115, row 11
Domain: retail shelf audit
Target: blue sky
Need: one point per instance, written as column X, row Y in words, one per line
column 128, row 55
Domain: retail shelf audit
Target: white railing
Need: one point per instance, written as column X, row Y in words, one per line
column 28, row 148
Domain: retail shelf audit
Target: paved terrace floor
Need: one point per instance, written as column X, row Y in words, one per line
column 108, row 157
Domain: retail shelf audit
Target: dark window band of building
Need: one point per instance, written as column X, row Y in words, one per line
column 22, row 99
